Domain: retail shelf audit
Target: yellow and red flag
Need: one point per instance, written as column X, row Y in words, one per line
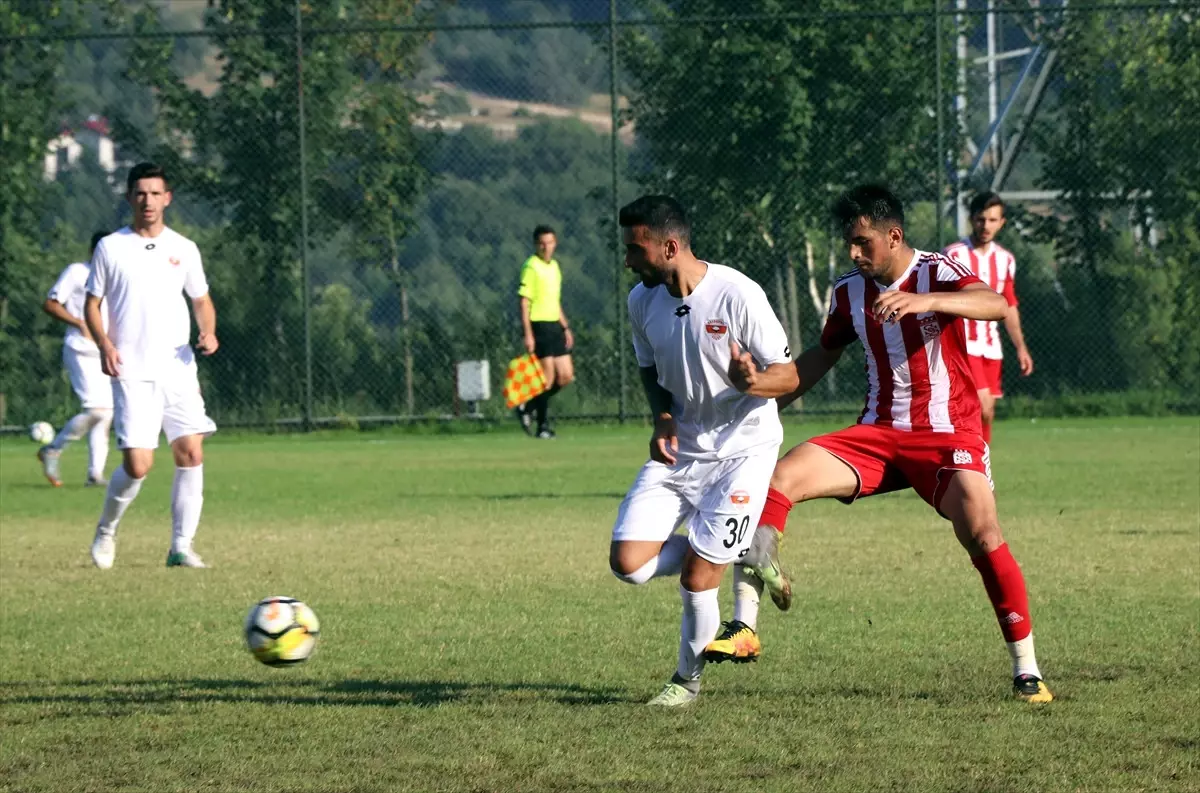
column 524, row 380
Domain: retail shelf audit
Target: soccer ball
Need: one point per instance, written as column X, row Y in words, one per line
column 281, row 631
column 41, row 432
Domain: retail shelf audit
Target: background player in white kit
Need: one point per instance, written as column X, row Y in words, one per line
column 81, row 358
column 141, row 273
column 712, row 356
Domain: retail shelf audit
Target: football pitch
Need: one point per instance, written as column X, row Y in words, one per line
column 473, row 638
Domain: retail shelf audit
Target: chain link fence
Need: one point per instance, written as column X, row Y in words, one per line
column 363, row 178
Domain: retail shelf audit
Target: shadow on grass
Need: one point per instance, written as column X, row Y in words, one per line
column 128, row 695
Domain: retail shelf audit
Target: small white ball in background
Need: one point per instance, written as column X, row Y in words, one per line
column 41, row 432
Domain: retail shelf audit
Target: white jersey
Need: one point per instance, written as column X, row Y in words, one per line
column 687, row 341
column 142, row 281
column 71, row 291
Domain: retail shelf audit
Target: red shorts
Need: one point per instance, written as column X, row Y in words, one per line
column 885, row 459
column 986, row 374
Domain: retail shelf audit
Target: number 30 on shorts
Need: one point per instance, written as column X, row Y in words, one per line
column 737, row 531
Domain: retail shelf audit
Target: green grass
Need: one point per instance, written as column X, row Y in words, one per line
column 473, row 638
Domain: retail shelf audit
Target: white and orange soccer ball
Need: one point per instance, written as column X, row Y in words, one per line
column 281, row 631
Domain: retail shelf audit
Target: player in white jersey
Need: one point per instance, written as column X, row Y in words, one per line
column 996, row 267
column 712, row 356
column 141, row 273
column 81, row 358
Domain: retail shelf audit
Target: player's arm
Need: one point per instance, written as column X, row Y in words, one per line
column 971, row 301
column 110, row 359
column 663, row 443
column 809, row 368
column 59, row 312
column 1012, row 324
column 773, row 381
column 206, row 321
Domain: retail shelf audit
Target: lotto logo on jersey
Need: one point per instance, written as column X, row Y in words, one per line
column 740, row 498
column 962, row 457
column 716, row 328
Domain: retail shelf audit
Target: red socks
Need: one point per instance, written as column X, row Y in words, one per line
column 1005, row 587
column 775, row 511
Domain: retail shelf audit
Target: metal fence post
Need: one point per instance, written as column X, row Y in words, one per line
column 616, row 207
column 304, row 276
column 941, row 134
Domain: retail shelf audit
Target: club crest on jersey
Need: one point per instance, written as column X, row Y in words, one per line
column 740, row 498
column 930, row 329
column 716, row 328
column 174, row 262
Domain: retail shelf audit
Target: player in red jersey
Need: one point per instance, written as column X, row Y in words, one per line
column 920, row 425
column 996, row 267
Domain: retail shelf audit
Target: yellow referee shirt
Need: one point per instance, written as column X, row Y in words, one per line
column 541, row 284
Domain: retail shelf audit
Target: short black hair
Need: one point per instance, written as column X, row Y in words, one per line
column 661, row 214
column 96, row 237
column 541, row 229
column 871, row 201
column 146, row 170
column 985, row 200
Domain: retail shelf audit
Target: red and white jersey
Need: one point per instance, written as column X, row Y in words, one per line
column 918, row 375
column 997, row 268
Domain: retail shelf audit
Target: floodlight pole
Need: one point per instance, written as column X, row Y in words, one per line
column 616, row 206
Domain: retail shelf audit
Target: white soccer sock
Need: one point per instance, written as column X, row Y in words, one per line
column 699, row 626
column 1023, row 659
column 747, row 591
column 187, row 498
column 73, row 430
column 98, row 441
column 122, row 490
column 668, row 562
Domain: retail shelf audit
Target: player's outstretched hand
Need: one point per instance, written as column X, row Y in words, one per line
column 110, row 360
column 664, row 443
column 207, row 343
column 893, row 306
column 743, row 371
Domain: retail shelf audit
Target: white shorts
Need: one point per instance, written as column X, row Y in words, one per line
column 143, row 408
column 720, row 502
column 91, row 384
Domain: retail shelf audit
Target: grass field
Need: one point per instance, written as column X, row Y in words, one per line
column 473, row 638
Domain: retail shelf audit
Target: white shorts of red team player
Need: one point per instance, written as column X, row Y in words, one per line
column 886, row 459
column 718, row 501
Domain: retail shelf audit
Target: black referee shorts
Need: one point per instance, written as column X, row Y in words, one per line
column 549, row 340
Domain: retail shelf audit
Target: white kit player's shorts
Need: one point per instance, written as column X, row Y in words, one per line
column 143, row 408
column 719, row 502
column 91, row 384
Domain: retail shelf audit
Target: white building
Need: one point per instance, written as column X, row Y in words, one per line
column 63, row 152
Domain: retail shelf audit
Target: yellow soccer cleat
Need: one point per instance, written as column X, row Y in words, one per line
column 1031, row 689
column 738, row 643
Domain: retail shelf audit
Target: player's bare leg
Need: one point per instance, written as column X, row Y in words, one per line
column 123, row 488
column 187, row 500
column 987, row 413
column 970, row 505
column 698, row 587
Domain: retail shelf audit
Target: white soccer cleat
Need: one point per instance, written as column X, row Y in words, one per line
column 104, row 550
column 184, row 559
column 48, row 457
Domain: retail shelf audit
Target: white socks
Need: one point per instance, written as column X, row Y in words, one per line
column 122, row 490
column 73, row 430
column 98, row 441
column 1023, row 659
column 668, row 562
column 699, row 626
column 187, row 498
column 747, row 590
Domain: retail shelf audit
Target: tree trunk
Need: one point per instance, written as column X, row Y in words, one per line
column 405, row 328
